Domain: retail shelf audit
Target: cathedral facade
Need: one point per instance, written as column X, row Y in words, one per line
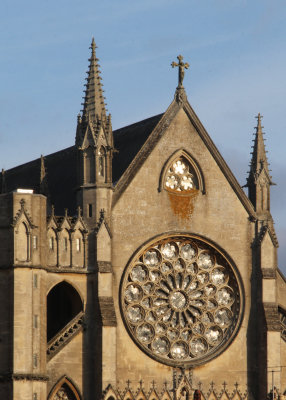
column 134, row 266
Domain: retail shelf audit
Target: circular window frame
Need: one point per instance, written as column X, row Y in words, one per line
column 231, row 334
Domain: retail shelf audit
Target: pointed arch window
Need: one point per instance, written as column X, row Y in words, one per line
column 179, row 177
column 90, row 165
column 23, row 243
column 63, row 304
column 181, row 174
column 64, row 390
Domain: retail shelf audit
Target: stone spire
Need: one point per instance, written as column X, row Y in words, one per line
column 259, row 179
column 93, row 106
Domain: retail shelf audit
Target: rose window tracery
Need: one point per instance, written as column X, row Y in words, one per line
column 179, row 177
column 181, row 300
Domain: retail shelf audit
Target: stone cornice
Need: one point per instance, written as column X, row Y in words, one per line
column 23, row 377
column 268, row 273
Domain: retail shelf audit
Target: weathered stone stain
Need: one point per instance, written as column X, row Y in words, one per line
column 183, row 204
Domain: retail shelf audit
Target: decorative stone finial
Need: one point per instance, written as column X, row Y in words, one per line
column 93, row 45
column 259, row 118
column 181, row 71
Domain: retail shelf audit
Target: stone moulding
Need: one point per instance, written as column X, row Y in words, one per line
column 104, row 266
column 133, row 391
column 22, row 377
column 268, row 273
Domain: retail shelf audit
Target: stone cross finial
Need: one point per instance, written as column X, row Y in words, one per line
column 181, row 71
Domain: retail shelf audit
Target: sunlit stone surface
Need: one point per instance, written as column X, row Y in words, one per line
column 180, row 304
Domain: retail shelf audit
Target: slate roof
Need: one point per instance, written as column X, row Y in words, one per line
column 128, row 141
column 61, row 167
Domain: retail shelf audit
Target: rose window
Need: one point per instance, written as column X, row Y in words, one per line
column 179, row 177
column 181, row 301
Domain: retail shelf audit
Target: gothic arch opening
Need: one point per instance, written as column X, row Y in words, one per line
column 64, row 390
column 90, row 165
column 181, row 174
column 63, row 304
column 23, row 245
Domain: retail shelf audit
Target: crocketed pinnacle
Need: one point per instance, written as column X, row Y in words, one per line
column 93, row 106
column 259, row 159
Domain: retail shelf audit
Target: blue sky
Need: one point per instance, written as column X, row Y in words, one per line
column 237, row 55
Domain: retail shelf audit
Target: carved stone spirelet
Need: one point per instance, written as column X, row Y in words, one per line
column 181, row 301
